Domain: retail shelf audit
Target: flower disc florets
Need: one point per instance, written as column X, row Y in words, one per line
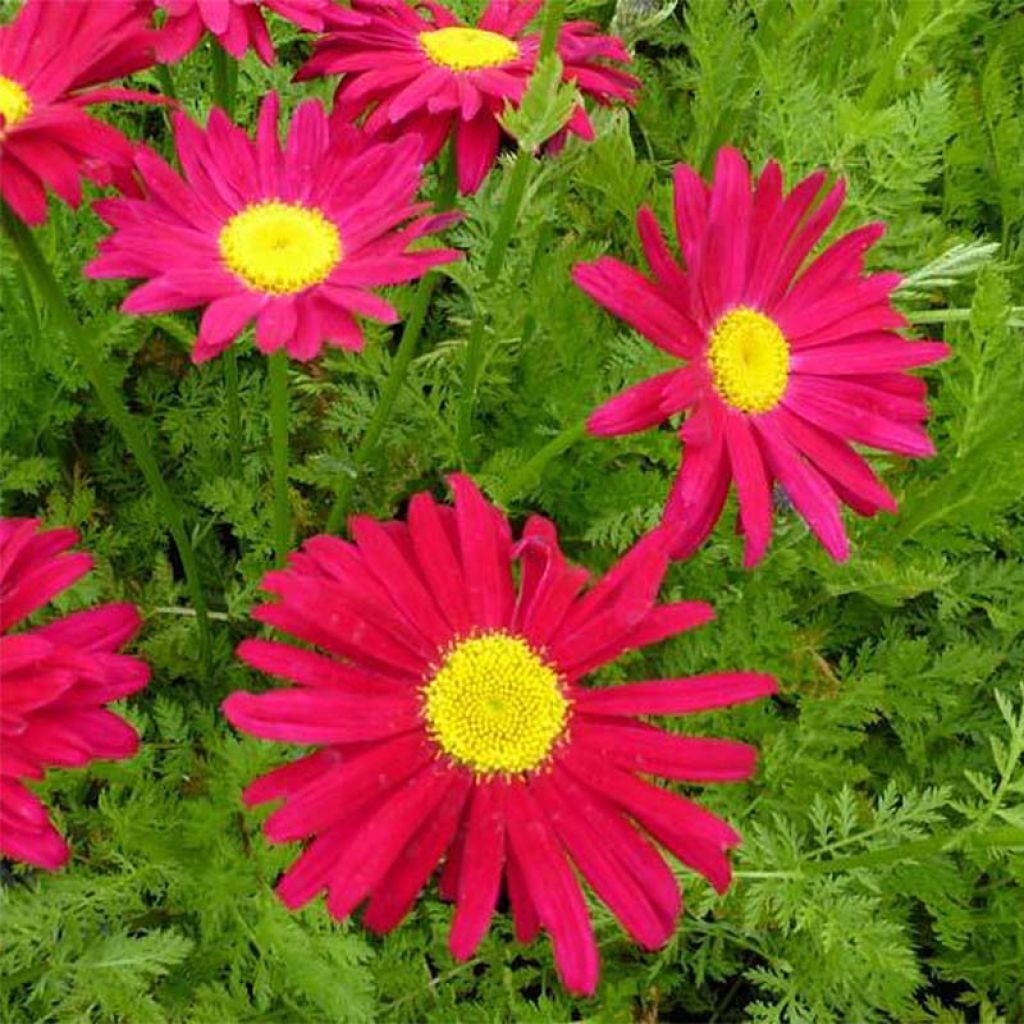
column 494, row 705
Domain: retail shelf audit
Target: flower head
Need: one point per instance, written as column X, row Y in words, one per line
column 290, row 237
column 453, row 722
column 421, row 70
column 51, row 55
column 55, row 683
column 787, row 363
column 236, row 24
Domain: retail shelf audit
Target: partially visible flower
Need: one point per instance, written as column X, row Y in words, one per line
column 51, row 54
column 449, row 704
column 55, row 683
column 292, row 237
column 235, row 24
column 787, row 361
column 421, row 70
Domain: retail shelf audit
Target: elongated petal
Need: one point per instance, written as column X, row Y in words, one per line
column 554, row 892
column 676, row 696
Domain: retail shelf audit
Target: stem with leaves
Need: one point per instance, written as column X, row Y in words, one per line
column 411, row 331
column 225, row 82
column 84, row 348
column 277, row 371
column 518, row 181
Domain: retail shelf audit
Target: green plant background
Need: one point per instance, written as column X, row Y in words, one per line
column 880, row 877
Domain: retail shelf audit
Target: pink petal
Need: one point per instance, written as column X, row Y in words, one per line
column 675, row 696
column 482, row 860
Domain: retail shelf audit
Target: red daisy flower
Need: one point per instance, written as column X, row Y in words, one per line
column 292, row 238
column 50, row 55
column 453, row 722
column 55, row 681
column 235, row 24
column 786, row 364
column 424, row 71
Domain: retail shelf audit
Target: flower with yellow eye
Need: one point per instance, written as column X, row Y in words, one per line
column 447, row 696
column 419, row 70
column 292, row 237
column 786, row 363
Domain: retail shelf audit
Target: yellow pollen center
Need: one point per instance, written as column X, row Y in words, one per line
column 749, row 360
column 494, row 705
column 280, row 248
column 465, row 49
column 15, row 104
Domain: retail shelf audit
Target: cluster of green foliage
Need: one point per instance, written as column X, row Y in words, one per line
column 880, row 877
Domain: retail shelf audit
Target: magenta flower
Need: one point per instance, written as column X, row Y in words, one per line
column 420, row 70
column 51, row 54
column 292, row 238
column 55, row 683
column 453, row 721
column 786, row 364
column 236, row 24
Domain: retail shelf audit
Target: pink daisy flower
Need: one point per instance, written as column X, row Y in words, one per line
column 787, row 361
column 292, row 237
column 419, row 69
column 235, row 24
column 55, row 683
column 448, row 704
column 51, row 54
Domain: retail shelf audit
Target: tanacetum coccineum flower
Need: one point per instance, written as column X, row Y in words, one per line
column 453, row 721
column 419, row 69
column 787, row 363
column 290, row 237
column 55, row 681
column 50, row 55
column 235, row 24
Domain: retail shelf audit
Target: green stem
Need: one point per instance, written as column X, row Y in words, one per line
column 225, row 78
column 225, row 81
column 411, row 331
column 84, row 349
column 277, row 370
column 234, row 410
column 518, row 181
column 994, row 838
column 493, row 263
column 528, row 474
column 552, row 23
column 166, row 79
column 949, row 316
column 392, row 386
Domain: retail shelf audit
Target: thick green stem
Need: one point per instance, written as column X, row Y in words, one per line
column 166, row 79
column 225, row 78
column 528, row 474
column 518, row 181
column 493, row 263
column 85, row 350
column 552, row 23
column 277, row 370
column 392, row 386
column 234, row 411
column 411, row 331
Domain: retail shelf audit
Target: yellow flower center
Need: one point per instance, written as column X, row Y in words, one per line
column 466, row 49
column 280, row 248
column 494, row 705
column 15, row 104
column 749, row 360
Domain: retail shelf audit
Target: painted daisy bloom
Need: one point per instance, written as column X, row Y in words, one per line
column 787, row 361
column 51, row 56
column 292, row 237
column 419, row 69
column 236, row 24
column 453, row 722
column 55, row 683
